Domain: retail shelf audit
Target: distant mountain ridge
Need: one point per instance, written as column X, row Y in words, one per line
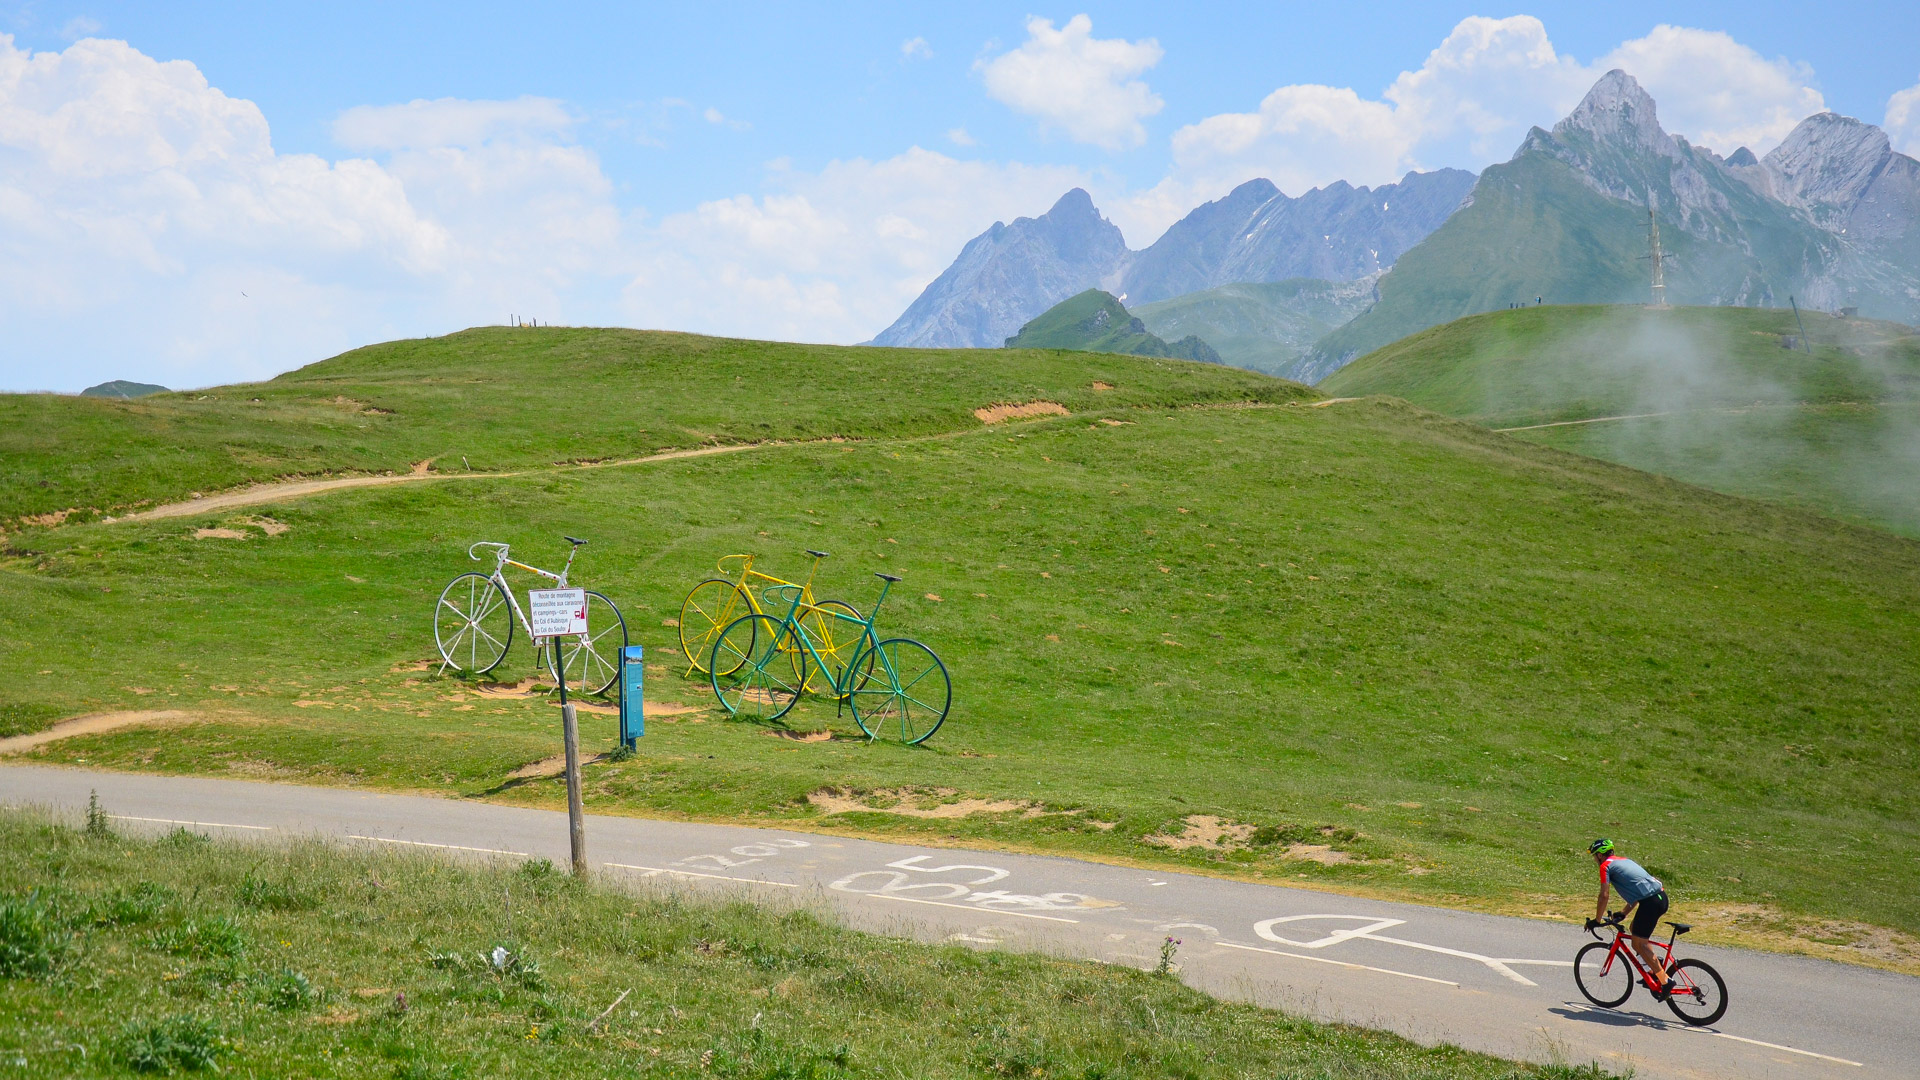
column 1095, row 321
column 1256, row 234
column 1830, row 217
column 1011, row 273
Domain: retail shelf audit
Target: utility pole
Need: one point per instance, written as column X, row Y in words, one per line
column 1653, row 242
column 1804, row 343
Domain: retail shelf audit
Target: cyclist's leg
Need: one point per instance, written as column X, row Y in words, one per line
column 1646, row 919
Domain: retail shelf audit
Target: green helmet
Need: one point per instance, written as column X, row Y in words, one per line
column 1602, row 846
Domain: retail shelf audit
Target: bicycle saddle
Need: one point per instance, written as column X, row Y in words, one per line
column 886, row 577
column 1680, row 927
column 574, row 540
column 816, row 554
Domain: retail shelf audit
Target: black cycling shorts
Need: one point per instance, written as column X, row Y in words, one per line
column 1646, row 914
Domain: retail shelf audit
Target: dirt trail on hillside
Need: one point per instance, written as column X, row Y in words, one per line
column 91, row 724
column 294, row 489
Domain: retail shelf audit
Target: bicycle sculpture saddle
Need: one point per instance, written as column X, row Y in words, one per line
column 816, row 554
column 1680, row 927
column 887, row 577
column 574, row 540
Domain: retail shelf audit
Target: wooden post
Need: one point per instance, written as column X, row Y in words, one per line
column 570, row 732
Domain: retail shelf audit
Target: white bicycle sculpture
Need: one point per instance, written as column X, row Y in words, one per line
column 474, row 620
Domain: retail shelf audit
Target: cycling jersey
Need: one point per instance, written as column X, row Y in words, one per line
column 1629, row 880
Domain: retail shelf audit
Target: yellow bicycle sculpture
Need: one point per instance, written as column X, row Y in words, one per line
column 716, row 602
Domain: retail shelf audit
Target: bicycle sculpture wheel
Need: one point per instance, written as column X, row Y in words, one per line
column 899, row 689
column 473, row 624
column 753, row 669
column 706, row 611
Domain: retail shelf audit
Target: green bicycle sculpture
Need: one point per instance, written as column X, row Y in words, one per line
column 760, row 665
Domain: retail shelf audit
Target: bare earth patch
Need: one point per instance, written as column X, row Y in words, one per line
column 1206, row 831
column 994, row 414
column 219, row 534
column 91, row 724
column 942, row 803
column 803, row 736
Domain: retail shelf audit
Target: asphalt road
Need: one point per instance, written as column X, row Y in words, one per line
column 1496, row 984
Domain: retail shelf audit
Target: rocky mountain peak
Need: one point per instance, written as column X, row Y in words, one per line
column 1617, row 109
column 1827, row 160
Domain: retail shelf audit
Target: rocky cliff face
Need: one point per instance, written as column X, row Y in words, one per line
column 1258, row 234
column 1827, row 217
column 1009, row 274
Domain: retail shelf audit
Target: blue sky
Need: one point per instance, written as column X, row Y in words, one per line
column 794, row 171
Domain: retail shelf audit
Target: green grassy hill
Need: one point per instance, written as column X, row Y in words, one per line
column 1421, row 658
column 496, row 398
column 1261, row 327
column 1709, row 396
column 1094, row 321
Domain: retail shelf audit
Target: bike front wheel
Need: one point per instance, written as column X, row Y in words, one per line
column 753, row 671
column 1699, row 994
column 707, row 610
column 473, row 624
column 592, row 660
column 902, row 691
column 1606, row 983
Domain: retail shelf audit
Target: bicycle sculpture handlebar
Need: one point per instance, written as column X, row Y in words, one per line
column 486, row 544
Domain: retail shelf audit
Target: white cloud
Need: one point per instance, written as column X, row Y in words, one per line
column 1082, row 85
column 916, row 48
column 1471, row 103
column 78, row 27
column 449, row 122
column 1903, row 120
column 834, row 255
column 959, row 137
column 714, row 116
column 138, row 203
column 1714, row 90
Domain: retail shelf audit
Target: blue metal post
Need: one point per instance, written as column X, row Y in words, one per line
column 633, row 698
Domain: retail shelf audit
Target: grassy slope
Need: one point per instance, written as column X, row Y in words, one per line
column 1729, row 388
column 1094, row 321
column 296, row 962
column 1458, row 654
column 1263, row 327
column 517, row 398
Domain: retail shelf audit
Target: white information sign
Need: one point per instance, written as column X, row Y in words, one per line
column 557, row 612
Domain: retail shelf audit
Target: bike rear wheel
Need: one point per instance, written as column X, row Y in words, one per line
column 902, row 691
column 707, row 610
column 1699, row 993
column 473, row 624
column 1606, row 985
column 753, row 671
column 592, row 660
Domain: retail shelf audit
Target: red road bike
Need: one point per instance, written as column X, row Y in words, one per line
column 1606, row 971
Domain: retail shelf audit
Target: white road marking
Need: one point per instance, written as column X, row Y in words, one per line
column 1265, row 929
column 1156, row 884
column 960, row 907
column 1777, row 1046
column 446, row 847
column 1338, row 963
column 689, row 873
column 201, row 824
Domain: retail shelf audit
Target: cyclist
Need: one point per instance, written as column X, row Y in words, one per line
column 1646, row 900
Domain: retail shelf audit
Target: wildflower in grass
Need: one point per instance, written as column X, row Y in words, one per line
column 1168, row 949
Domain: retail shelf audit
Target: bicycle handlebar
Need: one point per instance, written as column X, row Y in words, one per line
column 485, row 544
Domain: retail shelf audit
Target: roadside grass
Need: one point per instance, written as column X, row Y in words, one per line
column 494, row 398
column 1836, row 429
column 1405, row 655
column 181, row 954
